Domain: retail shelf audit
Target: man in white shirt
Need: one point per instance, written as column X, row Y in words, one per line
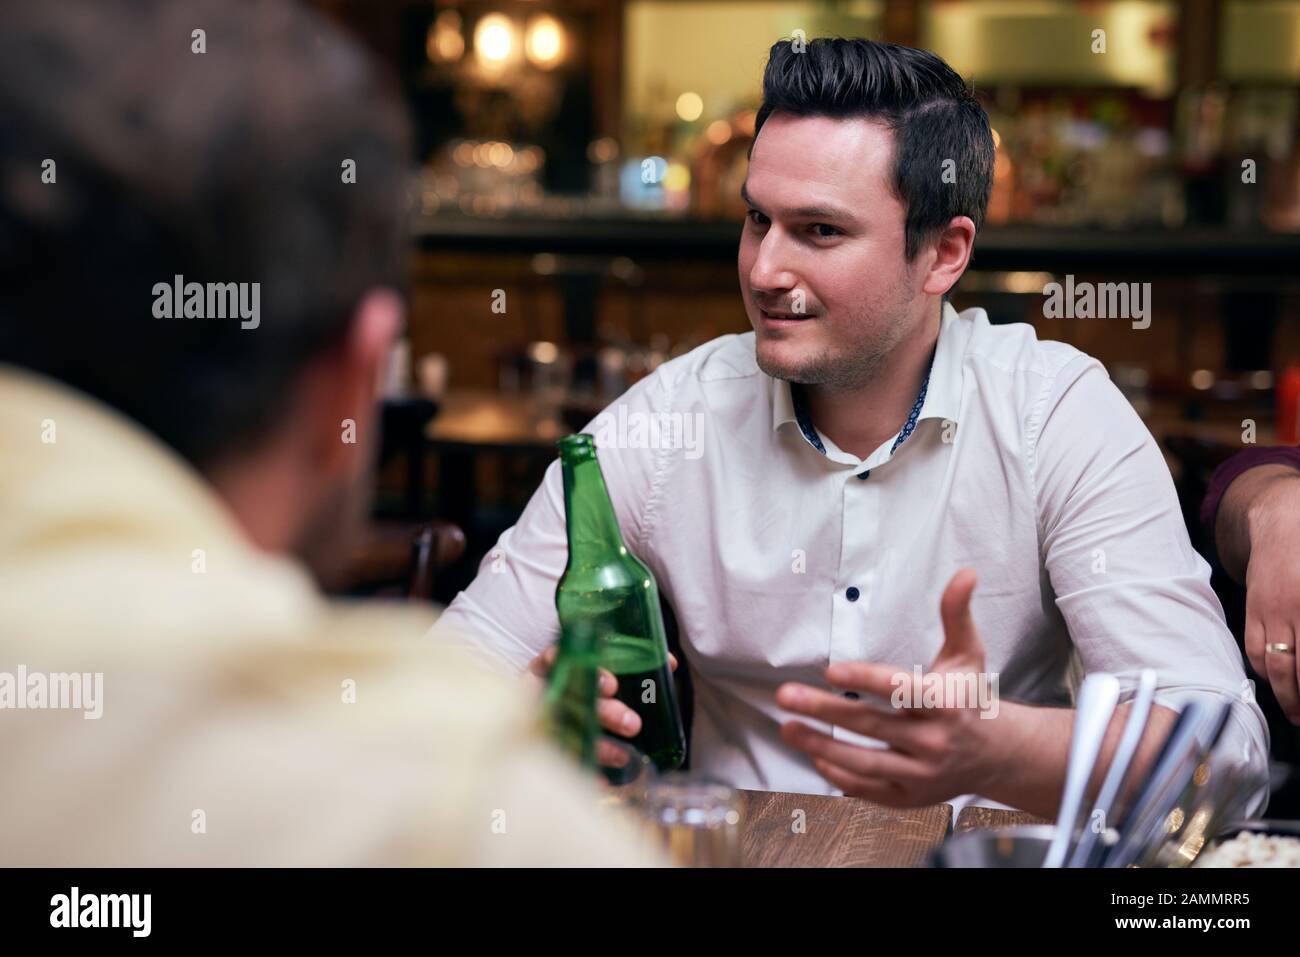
column 811, row 487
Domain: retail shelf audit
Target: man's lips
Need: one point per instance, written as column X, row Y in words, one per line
column 782, row 318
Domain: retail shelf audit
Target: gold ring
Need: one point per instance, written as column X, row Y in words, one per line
column 1277, row 648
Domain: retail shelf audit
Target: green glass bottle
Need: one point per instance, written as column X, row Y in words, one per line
column 607, row 585
column 569, row 706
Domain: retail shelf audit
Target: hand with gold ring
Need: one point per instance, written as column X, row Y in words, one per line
column 1273, row 592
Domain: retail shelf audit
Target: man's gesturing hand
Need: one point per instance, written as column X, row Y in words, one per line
column 936, row 749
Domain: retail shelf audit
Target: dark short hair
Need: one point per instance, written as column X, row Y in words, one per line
column 933, row 115
column 222, row 166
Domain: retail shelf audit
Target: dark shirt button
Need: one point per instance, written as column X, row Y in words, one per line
column 863, row 475
column 852, row 695
column 852, row 593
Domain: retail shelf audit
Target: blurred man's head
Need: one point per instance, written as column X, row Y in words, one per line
column 222, row 166
column 869, row 175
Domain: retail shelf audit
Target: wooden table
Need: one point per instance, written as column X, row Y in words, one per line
column 472, row 422
column 781, row 829
column 486, row 419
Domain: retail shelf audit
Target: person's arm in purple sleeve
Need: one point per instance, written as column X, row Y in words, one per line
column 1227, row 501
column 1253, row 509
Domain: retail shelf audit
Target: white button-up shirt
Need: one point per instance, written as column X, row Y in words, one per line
column 781, row 553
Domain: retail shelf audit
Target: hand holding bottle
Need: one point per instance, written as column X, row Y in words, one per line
column 615, row 717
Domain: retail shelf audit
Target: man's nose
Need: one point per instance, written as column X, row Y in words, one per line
column 771, row 270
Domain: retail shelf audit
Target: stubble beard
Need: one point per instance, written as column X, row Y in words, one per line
column 835, row 373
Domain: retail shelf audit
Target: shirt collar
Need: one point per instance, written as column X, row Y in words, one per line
column 940, row 394
column 943, row 398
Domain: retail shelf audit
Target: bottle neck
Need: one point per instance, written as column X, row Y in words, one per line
column 594, row 534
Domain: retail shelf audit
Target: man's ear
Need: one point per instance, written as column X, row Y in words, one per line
column 952, row 251
column 342, row 396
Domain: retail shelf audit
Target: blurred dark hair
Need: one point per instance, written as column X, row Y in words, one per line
column 928, row 107
column 221, row 166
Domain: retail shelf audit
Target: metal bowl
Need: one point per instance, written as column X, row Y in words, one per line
column 1200, row 815
column 1262, row 825
column 1024, row 846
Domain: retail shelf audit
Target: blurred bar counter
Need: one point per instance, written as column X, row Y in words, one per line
column 1224, row 304
column 1182, row 252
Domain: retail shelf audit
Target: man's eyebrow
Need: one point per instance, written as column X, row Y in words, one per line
column 804, row 212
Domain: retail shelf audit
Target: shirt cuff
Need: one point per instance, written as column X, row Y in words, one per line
column 1242, row 462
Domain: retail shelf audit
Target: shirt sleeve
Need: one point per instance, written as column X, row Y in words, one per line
column 506, row 616
column 1133, row 592
column 1229, row 471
